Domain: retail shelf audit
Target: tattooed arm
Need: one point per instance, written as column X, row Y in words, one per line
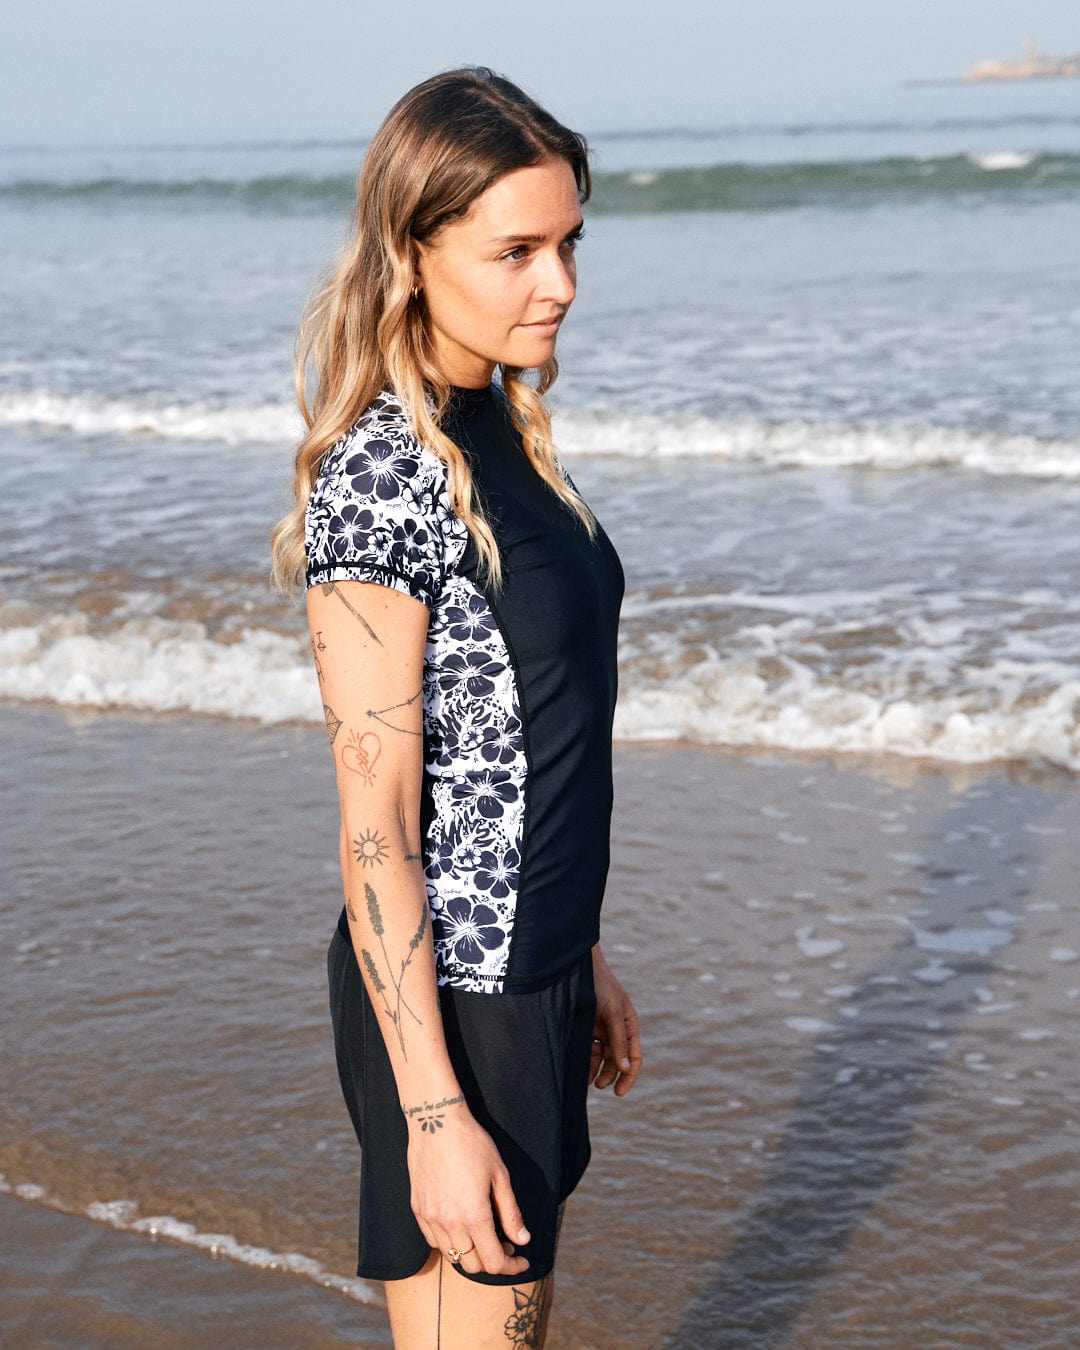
column 368, row 643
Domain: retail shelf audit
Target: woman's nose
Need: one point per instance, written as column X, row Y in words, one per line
column 560, row 280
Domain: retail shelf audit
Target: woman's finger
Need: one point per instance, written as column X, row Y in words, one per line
column 466, row 1253
column 506, row 1208
column 430, row 1236
column 619, row 1041
column 614, row 1048
column 634, row 1058
column 490, row 1255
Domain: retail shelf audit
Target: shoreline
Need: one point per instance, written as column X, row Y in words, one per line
column 67, row 1280
column 898, row 766
column 826, row 958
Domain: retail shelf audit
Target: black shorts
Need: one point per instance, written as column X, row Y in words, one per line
column 522, row 1061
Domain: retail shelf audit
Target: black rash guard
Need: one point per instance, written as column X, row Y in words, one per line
column 519, row 683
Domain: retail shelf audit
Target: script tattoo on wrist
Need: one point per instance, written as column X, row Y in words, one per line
column 430, row 1114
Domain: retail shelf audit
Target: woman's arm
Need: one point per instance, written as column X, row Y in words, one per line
column 368, row 643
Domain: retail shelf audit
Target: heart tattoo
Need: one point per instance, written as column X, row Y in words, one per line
column 361, row 754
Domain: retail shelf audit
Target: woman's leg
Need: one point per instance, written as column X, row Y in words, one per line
column 438, row 1309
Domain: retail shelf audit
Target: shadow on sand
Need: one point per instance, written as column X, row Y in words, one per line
column 858, row 1104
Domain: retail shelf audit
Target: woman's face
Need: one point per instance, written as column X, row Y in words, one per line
column 498, row 281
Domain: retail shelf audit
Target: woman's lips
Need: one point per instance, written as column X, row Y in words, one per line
column 544, row 327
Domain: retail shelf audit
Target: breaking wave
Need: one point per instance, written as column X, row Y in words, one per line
column 801, row 444
column 760, row 685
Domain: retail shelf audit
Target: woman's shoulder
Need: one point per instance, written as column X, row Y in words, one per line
column 381, row 453
column 380, row 508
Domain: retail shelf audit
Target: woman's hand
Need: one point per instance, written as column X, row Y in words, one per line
column 616, row 1047
column 457, row 1177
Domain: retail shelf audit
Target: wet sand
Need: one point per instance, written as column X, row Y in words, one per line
column 67, row 1281
column 859, row 984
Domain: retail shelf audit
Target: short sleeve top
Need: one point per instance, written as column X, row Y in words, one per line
column 519, row 683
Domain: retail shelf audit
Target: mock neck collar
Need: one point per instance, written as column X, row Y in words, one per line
column 464, row 400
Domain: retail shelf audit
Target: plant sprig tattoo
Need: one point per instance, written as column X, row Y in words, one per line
column 399, row 1005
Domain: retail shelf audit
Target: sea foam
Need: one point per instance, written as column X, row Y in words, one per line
column 804, row 444
column 1003, row 710
column 123, row 1214
column 90, row 415
column 161, row 666
column 790, row 444
column 733, row 702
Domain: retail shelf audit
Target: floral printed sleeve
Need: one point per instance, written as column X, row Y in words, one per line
column 379, row 510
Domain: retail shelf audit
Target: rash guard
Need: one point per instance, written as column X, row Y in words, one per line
column 518, row 689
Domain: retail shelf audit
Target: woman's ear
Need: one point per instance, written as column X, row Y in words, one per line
column 417, row 260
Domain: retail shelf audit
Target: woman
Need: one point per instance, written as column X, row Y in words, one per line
column 463, row 606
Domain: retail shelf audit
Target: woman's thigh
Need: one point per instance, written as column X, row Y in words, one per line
column 439, row 1309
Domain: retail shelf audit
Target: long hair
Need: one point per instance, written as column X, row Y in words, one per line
column 442, row 145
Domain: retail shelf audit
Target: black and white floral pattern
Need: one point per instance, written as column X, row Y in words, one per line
column 380, row 512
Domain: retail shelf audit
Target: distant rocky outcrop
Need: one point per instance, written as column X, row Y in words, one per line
column 1032, row 65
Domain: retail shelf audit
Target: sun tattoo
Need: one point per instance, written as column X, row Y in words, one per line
column 370, row 849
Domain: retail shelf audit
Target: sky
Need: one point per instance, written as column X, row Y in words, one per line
column 84, row 71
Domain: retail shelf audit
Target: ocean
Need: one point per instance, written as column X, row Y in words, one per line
column 820, row 380
column 820, row 384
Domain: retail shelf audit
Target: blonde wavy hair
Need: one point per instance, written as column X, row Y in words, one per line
column 443, row 144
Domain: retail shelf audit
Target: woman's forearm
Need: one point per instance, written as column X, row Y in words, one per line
column 387, row 909
column 368, row 643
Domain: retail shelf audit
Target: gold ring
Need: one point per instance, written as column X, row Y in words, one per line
column 455, row 1255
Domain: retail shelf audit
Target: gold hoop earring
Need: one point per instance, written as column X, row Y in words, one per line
column 415, row 292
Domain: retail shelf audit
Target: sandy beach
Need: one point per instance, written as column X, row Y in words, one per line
column 819, row 384
column 857, row 1124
